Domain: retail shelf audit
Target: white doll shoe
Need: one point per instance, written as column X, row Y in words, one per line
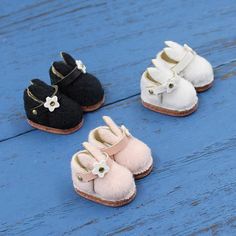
column 162, row 90
column 125, row 149
column 187, row 63
column 98, row 178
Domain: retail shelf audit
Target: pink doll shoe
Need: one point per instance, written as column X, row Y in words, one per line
column 187, row 63
column 125, row 149
column 98, row 178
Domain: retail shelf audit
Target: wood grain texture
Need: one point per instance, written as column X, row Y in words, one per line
column 191, row 190
column 115, row 39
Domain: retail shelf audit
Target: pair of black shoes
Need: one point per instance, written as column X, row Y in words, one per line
column 59, row 108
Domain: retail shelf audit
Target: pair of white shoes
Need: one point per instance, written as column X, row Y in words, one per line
column 170, row 86
column 104, row 172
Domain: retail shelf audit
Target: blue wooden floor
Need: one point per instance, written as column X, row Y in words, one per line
column 192, row 189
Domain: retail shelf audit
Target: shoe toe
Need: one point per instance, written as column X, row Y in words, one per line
column 183, row 98
column 139, row 158
column 67, row 116
column 189, row 96
column 90, row 90
column 199, row 72
column 117, row 184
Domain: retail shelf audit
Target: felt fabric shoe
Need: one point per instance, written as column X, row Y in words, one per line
column 75, row 82
column 98, row 178
column 49, row 110
column 122, row 147
column 187, row 63
column 162, row 90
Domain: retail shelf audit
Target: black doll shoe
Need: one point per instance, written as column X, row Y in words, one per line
column 72, row 80
column 49, row 110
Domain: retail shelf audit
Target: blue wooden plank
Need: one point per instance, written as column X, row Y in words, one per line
column 191, row 190
column 116, row 39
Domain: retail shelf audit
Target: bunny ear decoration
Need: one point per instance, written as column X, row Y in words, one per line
column 155, row 62
column 95, row 152
column 174, row 45
column 68, row 59
column 72, row 63
column 173, row 54
column 112, row 125
column 174, row 50
column 60, row 69
column 159, row 74
column 153, row 73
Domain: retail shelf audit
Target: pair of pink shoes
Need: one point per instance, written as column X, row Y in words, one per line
column 104, row 172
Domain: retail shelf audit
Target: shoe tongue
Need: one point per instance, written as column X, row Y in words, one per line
column 159, row 74
column 174, row 51
column 107, row 136
column 42, row 90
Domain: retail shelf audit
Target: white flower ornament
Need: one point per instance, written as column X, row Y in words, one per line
column 81, row 66
column 100, row 168
column 51, row 103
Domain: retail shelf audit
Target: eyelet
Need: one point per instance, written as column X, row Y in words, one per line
column 150, row 91
column 171, row 85
column 34, row 112
column 80, row 178
column 101, row 169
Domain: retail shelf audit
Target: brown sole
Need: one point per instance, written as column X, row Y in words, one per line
column 145, row 173
column 106, row 202
column 170, row 112
column 54, row 130
column 93, row 107
column 204, row 88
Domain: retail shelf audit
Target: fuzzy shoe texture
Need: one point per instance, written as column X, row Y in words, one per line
column 125, row 149
column 98, row 178
column 162, row 90
column 71, row 77
column 49, row 110
column 187, row 63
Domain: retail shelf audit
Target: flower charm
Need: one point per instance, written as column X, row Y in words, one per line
column 51, row 103
column 126, row 131
column 81, row 66
column 100, row 168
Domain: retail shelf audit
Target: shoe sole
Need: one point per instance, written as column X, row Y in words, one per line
column 106, row 202
column 93, row 107
column 168, row 111
column 204, row 88
column 144, row 173
column 54, row 130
